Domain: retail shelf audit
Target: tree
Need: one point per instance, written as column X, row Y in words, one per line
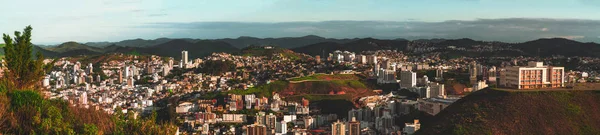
column 23, row 71
column 90, row 129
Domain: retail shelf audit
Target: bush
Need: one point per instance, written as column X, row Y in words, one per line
column 25, row 97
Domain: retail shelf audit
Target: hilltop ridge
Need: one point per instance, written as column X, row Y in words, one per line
column 491, row 111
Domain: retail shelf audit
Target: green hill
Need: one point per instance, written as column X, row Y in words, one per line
column 492, row 111
column 315, row 88
column 270, row 52
column 198, row 49
column 73, row 46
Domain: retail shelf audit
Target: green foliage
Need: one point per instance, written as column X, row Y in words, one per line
column 325, row 77
column 24, row 71
column 216, row 67
column 350, row 83
column 305, row 78
column 460, row 130
column 588, row 130
column 25, row 97
column 30, row 113
column 90, row 129
column 134, row 52
column 574, row 109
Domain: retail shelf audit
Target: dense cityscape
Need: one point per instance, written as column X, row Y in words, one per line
column 247, row 94
column 300, row 67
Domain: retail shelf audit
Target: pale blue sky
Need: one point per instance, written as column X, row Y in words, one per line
column 56, row 21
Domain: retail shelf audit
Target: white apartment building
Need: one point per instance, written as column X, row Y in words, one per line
column 535, row 75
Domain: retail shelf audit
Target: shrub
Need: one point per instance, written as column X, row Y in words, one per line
column 25, row 97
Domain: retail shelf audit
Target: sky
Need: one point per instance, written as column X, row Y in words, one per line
column 57, row 21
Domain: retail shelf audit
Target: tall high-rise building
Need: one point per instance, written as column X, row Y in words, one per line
column 166, row 70
column 260, row 118
column 439, row 74
column 535, row 75
column 338, row 128
column 318, row 58
column 134, row 71
column 76, row 67
column 437, row 89
column 271, row 121
column 130, row 82
column 171, row 62
column 83, row 98
column 256, row 129
column 184, row 57
column 354, row 127
column 473, row 72
column 362, row 59
column 372, row 59
column 68, row 79
column 90, row 68
column 127, row 71
column 309, row 122
column 408, row 79
column 120, row 76
column 281, row 127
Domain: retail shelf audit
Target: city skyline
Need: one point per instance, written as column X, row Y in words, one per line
column 109, row 20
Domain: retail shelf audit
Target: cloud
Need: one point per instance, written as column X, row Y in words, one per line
column 544, row 29
column 507, row 30
column 573, row 37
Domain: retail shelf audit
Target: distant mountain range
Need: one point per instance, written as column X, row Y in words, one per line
column 315, row 45
column 240, row 42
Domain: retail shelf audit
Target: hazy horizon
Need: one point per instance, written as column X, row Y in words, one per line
column 60, row 21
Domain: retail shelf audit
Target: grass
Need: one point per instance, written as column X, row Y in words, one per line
column 325, row 77
column 351, row 83
column 262, row 90
column 305, row 78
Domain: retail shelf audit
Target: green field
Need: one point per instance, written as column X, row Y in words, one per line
column 262, row 90
column 326, row 77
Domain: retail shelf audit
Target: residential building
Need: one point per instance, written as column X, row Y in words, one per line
column 535, row 75
column 256, row 129
column 281, row 128
column 338, row 128
column 433, row 106
column 437, row 89
column 480, row 85
column 408, row 79
column 411, row 128
column 184, row 58
column 354, row 127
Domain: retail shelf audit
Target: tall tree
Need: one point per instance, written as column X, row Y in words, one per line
column 23, row 71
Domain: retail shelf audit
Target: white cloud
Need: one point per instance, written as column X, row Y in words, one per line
column 544, row 29
column 571, row 37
